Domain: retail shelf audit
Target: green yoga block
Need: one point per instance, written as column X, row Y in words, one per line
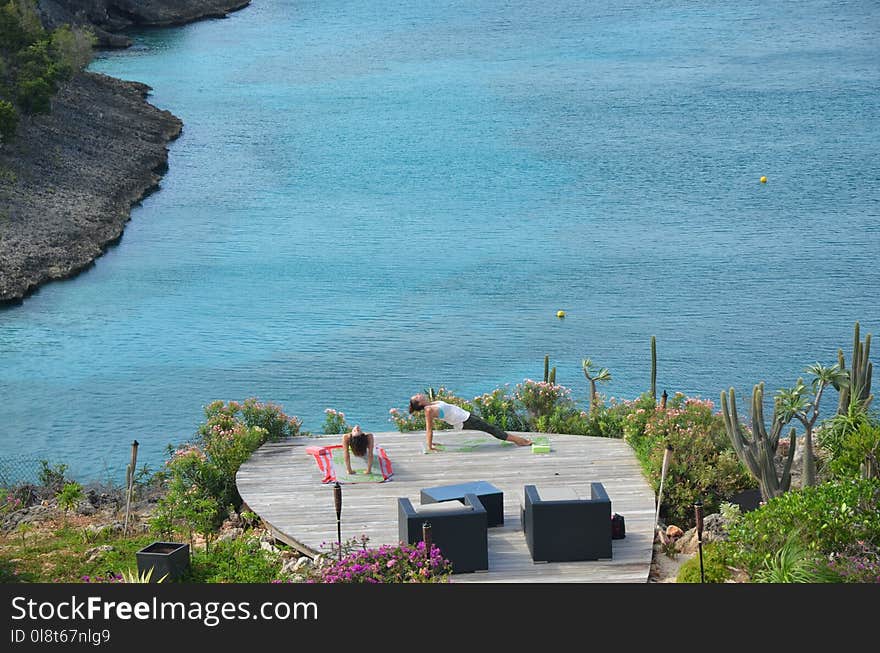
column 541, row 445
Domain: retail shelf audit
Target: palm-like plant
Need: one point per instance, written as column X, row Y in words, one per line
column 68, row 497
column 796, row 403
column 594, row 376
column 130, row 576
column 793, row 563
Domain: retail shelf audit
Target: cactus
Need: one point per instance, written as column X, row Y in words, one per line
column 654, row 368
column 551, row 378
column 758, row 451
column 546, row 368
column 859, row 389
column 594, row 376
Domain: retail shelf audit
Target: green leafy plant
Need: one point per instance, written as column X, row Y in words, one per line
column 52, row 477
column 200, row 479
column 23, row 529
column 235, row 561
column 249, row 518
column 853, row 441
column 730, row 512
column 793, row 563
column 499, row 407
column 715, row 568
column 8, row 121
column 70, row 495
column 828, row 518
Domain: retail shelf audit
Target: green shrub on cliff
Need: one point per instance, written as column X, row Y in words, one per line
column 19, row 24
column 8, row 121
column 201, row 475
column 33, row 61
column 73, row 47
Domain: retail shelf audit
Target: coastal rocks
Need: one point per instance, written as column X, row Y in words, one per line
column 107, row 17
column 713, row 530
column 229, row 535
column 31, row 514
column 85, row 507
column 70, row 178
column 96, row 553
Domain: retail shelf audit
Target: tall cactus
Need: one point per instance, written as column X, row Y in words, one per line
column 546, row 368
column 551, row 378
column 654, row 368
column 859, row 388
column 758, row 451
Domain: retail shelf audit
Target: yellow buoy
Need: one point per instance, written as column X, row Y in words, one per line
column 560, row 313
column 763, row 180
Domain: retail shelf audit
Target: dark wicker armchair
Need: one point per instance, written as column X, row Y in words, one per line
column 459, row 530
column 559, row 526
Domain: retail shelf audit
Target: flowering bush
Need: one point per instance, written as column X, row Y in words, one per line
column 563, row 419
column 541, row 397
column 857, row 563
column 399, row 563
column 500, row 408
column 11, row 503
column 334, row 422
column 201, row 474
column 702, row 465
column 252, row 412
column 604, row 420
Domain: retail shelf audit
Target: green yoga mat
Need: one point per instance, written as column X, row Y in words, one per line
column 359, row 476
column 467, row 445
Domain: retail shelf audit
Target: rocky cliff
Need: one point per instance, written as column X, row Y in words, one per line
column 108, row 17
column 69, row 179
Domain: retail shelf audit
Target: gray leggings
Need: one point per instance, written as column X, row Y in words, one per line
column 474, row 423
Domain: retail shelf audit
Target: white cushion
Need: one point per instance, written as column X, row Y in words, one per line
column 443, row 507
column 557, row 494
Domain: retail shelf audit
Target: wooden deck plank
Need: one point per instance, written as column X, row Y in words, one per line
column 281, row 484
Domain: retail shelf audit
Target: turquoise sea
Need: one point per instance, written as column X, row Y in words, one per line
column 370, row 198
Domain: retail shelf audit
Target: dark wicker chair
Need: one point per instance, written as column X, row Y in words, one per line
column 459, row 530
column 561, row 529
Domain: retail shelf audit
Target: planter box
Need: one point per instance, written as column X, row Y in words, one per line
column 171, row 558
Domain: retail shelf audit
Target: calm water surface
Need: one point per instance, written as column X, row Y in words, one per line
column 371, row 198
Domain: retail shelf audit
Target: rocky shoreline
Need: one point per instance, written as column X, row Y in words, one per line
column 109, row 17
column 69, row 179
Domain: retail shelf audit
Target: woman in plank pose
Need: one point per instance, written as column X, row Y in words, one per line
column 459, row 418
column 361, row 445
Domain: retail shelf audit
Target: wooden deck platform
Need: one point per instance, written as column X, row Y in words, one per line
column 281, row 483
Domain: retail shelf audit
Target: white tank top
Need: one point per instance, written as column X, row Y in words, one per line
column 455, row 415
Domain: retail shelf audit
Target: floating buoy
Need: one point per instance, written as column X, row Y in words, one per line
column 560, row 313
column 763, row 180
